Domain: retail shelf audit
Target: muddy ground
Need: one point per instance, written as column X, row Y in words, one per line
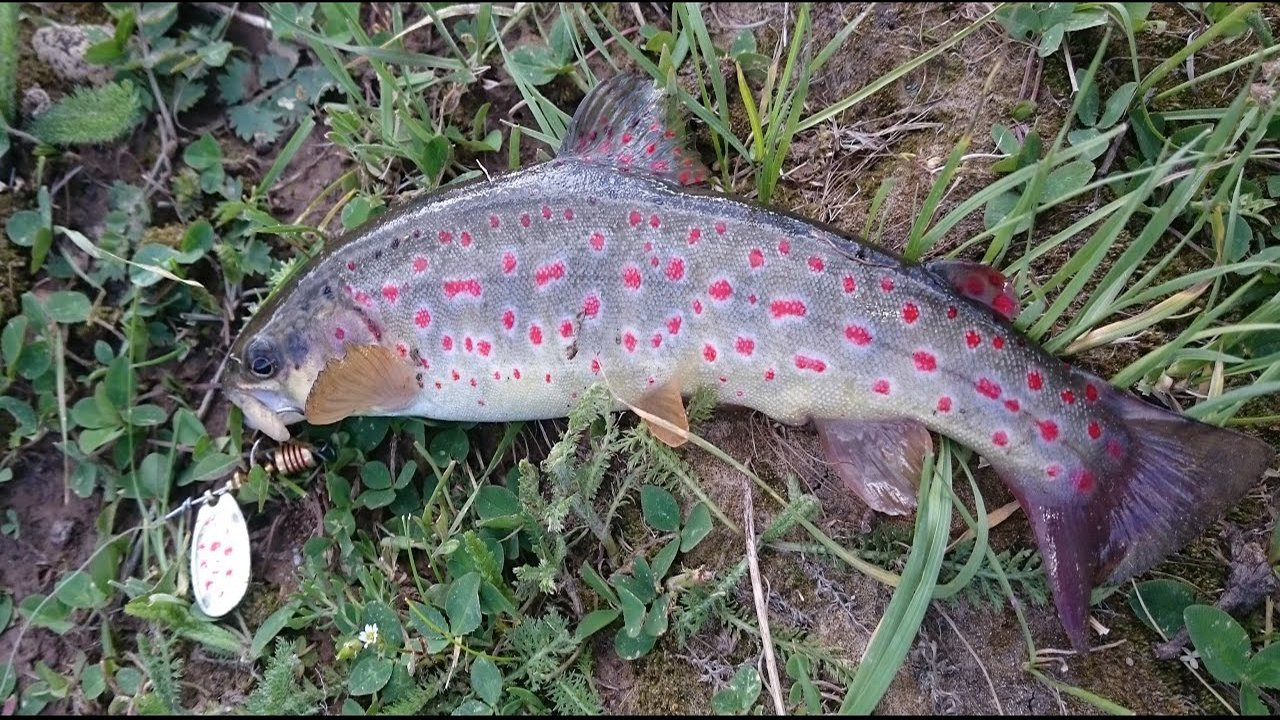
column 966, row 659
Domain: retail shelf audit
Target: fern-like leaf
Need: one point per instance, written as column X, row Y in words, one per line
column 8, row 59
column 280, row 692
column 90, row 115
column 163, row 670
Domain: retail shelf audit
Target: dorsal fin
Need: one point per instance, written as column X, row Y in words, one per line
column 980, row 282
column 627, row 123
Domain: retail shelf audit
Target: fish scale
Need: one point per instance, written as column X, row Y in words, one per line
column 506, row 300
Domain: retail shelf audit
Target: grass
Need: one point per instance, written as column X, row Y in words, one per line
column 498, row 564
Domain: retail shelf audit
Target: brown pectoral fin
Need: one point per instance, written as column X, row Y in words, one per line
column 368, row 380
column 665, row 402
column 879, row 461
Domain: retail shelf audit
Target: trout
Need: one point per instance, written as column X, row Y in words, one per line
column 504, row 300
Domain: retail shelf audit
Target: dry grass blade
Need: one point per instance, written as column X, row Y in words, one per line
column 994, row 518
column 757, row 593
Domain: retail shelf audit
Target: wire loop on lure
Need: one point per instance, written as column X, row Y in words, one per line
column 289, row 458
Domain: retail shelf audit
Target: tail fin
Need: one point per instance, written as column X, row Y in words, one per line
column 1176, row 476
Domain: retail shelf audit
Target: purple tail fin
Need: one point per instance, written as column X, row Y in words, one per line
column 1176, row 476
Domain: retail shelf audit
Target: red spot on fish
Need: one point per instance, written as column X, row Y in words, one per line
column 420, row 265
column 1053, row 471
column 547, row 273
column 1000, row 438
column 880, row 387
column 508, row 319
column 351, row 266
column 1034, row 381
column 952, row 312
column 669, row 134
column 1004, row 305
column 769, row 374
column 439, row 386
column 886, row 284
column 339, row 333
column 515, row 373
column 816, row 264
column 508, row 263
column 1012, row 405
column 423, row 318
column 597, row 241
column 1068, row 397
column 1115, row 449
column 1083, row 480
column 535, row 334
column 470, row 286
column 651, row 148
column 484, row 348
column 910, row 313
column 546, row 213
column 654, row 222
column 925, row 362
column 473, row 382
column 524, row 220
column 857, row 335
column 675, row 269
column 635, row 219
column 390, row 292
column 497, row 375
column 1095, row 430
column 709, row 352
column 785, row 308
column 685, row 177
column 648, row 247
column 446, row 342
column 1091, row 393
column 656, row 340
column 997, row 342
column 972, row 339
column 547, row 378
column 566, row 329
column 446, row 236
column 944, row 404
column 494, row 222
column 631, row 277
column 720, row 228
column 468, row 344
column 455, row 375
column 973, row 285
column 850, row 284
column 215, row 546
column 465, row 239
column 755, row 258
column 654, row 262
column 804, row 362
column 784, row 247
column 673, row 324
column 695, row 234
column 362, row 297
column 591, row 306
column 626, row 138
column 720, row 290
column 697, row 306
column 1048, row 430
column 745, row 346
column 568, row 213
column 752, row 298
column 629, row 342
column 988, row 388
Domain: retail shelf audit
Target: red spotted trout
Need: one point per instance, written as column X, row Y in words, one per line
column 612, row 263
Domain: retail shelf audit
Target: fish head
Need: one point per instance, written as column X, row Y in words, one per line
column 274, row 364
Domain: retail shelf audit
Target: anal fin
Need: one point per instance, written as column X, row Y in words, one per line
column 879, row 461
column 368, row 380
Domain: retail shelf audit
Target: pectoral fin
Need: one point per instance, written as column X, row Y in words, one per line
column 368, row 380
column 878, row 461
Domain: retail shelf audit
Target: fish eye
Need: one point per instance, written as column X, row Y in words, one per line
column 261, row 359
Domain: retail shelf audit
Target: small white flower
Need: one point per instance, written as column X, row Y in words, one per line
column 369, row 635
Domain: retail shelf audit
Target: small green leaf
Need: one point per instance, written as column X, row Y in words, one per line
column 79, row 591
column 8, row 679
column 369, row 674
column 1263, row 668
column 595, row 621
column 1165, row 600
column 431, row 624
column 633, row 611
column 272, row 626
column 462, row 604
column 1067, row 179
column 1250, row 702
column 389, row 627
column 374, row 499
column 214, row 54
column 486, row 680
column 92, row 681
column 203, row 153
column 632, row 648
column 375, row 475
column 1222, row 643
column 740, row 695
column 696, row 527
column 67, row 306
column 1116, row 105
column 211, row 467
column 661, row 511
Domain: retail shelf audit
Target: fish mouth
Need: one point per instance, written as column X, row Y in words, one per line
column 267, row 411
